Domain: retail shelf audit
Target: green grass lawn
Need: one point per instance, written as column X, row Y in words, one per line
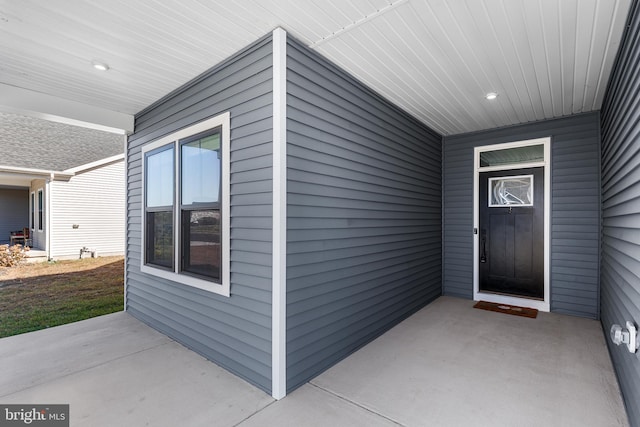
column 38, row 296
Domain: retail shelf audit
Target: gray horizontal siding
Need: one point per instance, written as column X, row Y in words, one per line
column 234, row 332
column 620, row 279
column 575, row 209
column 364, row 215
column 14, row 205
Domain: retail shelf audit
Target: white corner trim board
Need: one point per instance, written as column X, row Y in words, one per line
column 279, row 261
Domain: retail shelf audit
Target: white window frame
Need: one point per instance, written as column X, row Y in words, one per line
column 32, row 211
column 222, row 288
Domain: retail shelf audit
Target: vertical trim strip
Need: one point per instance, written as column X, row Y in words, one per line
column 125, row 284
column 225, row 121
column 547, row 222
column 279, row 249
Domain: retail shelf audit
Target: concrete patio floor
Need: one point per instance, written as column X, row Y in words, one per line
column 447, row 365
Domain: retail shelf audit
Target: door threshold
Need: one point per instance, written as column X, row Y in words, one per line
column 510, row 295
column 500, row 298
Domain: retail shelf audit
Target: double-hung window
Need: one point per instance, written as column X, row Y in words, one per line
column 33, row 211
column 186, row 206
column 40, row 210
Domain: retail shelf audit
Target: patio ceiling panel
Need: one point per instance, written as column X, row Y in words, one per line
column 434, row 58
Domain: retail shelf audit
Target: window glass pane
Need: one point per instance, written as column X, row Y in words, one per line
column 160, row 239
column 201, row 242
column 159, row 178
column 512, row 156
column 201, row 170
column 511, row 191
column 40, row 210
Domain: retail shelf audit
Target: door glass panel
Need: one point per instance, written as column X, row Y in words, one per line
column 512, row 156
column 511, row 191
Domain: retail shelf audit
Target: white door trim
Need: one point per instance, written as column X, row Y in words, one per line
column 544, row 305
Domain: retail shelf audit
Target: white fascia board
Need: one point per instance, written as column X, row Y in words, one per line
column 279, row 260
column 43, row 106
column 35, row 173
column 95, row 164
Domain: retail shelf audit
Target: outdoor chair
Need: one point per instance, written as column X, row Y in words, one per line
column 23, row 236
column 26, row 233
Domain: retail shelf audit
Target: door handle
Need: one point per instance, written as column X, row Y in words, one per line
column 483, row 255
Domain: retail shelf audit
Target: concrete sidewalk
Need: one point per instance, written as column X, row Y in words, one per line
column 448, row 365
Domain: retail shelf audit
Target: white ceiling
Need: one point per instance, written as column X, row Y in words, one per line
column 434, row 58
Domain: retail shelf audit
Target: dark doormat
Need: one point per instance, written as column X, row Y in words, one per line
column 507, row 309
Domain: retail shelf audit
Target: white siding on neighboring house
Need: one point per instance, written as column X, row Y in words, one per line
column 94, row 201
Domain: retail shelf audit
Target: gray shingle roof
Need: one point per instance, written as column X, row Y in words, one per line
column 29, row 142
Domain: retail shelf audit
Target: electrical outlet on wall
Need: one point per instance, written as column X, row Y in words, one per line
column 627, row 336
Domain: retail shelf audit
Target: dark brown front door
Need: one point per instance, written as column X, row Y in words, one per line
column 512, row 232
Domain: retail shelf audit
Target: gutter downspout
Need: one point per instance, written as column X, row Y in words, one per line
column 48, row 188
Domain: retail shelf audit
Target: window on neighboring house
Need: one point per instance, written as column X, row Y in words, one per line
column 185, row 188
column 33, row 211
column 40, row 210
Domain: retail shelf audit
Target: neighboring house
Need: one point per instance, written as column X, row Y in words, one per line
column 64, row 183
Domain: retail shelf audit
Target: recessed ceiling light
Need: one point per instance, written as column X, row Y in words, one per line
column 491, row 95
column 102, row 66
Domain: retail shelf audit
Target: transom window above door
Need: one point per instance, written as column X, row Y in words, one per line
column 512, row 156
